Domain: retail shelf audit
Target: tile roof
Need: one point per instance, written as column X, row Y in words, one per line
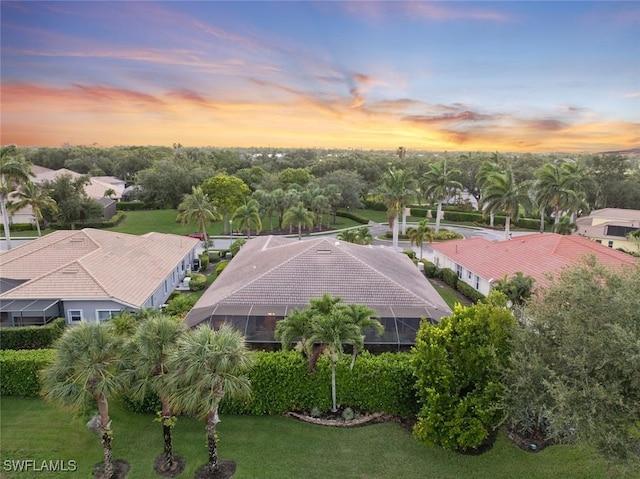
column 92, row 263
column 616, row 214
column 276, row 271
column 535, row 255
column 94, row 189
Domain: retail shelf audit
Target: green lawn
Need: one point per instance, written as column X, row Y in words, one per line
column 271, row 447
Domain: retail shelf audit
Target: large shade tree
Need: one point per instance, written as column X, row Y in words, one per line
column 14, row 171
column 86, row 371
column 147, row 373
column 440, row 185
column 503, row 194
column 199, row 209
column 227, row 193
column 206, row 367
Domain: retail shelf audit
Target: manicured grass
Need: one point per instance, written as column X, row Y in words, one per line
column 450, row 296
column 272, row 447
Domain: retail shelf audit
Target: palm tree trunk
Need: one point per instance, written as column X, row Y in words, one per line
column 438, row 215
column 212, row 446
column 395, row 231
column 333, row 386
column 542, row 220
column 299, row 231
column 507, row 227
column 38, row 227
column 492, row 218
column 103, row 409
column 5, row 222
column 166, row 434
column 404, row 221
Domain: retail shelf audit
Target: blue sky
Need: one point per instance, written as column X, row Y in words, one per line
column 507, row 76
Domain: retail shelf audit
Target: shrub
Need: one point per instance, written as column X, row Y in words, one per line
column 411, row 254
column 471, row 293
column 430, row 269
column 21, row 227
column 204, row 261
column 214, row 256
column 445, row 235
column 97, row 224
column 236, row 245
column 32, row 337
column 220, row 268
column 180, row 305
column 132, row 206
column 20, row 371
column 352, row 216
column 448, row 276
column 529, row 223
column 198, row 282
column 374, row 205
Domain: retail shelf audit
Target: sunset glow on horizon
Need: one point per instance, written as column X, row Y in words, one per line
column 456, row 76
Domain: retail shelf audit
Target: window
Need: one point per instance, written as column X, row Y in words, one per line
column 599, row 241
column 106, row 314
column 75, row 315
column 610, row 244
column 459, row 271
column 477, row 282
column 166, row 289
column 469, row 275
column 620, row 231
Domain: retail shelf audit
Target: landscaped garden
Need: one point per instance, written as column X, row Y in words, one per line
column 271, row 447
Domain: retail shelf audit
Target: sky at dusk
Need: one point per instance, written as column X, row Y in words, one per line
column 457, row 76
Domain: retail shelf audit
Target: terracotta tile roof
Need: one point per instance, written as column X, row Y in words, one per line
column 275, row 271
column 93, row 263
column 535, row 255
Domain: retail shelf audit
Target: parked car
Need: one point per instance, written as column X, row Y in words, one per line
column 195, row 234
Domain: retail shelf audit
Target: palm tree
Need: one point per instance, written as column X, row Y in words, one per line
column 14, row 171
column 109, row 193
column 349, row 236
column 197, row 208
column 552, row 191
column 296, row 325
column 31, row 194
column 267, row 204
column 397, row 188
column 419, row 234
column 206, row 367
column 87, row 369
column 248, row 215
column 365, row 318
column 503, row 194
column 363, row 235
column 487, row 168
column 565, row 226
column 577, row 178
column 333, row 330
column 148, row 373
column 298, row 216
column 440, row 185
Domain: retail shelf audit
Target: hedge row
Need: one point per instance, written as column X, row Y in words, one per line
column 450, row 277
column 281, row 382
column 19, row 370
column 31, row 337
column 98, row 224
column 133, row 206
column 22, row 227
column 352, row 216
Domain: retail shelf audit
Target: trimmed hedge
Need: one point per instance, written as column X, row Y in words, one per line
column 198, row 282
column 352, row 216
column 19, row 371
column 32, row 337
column 281, row 382
column 132, row 206
column 204, row 261
column 115, row 220
column 22, row 227
column 374, row 205
column 470, row 292
column 448, row 276
column 221, row 266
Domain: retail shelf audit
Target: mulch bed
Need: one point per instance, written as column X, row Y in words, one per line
column 178, row 466
column 532, row 443
column 120, row 470
column 225, row 470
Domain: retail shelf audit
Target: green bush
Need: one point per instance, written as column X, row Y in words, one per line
column 374, row 205
column 22, row 227
column 411, row 254
column 180, row 305
column 132, row 206
column 19, row 370
column 446, row 235
column 214, row 256
column 352, row 216
column 419, row 212
column 471, row 293
column 97, row 224
column 448, row 276
column 32, row 337
column 220, row 268
column 529, row 223
column 430, row 269
column 198, row 282
column 204, row 261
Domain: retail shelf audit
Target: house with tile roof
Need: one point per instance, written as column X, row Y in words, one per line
column 90, row 275
column 480, row 262
column 610, row 226
column 272, row 276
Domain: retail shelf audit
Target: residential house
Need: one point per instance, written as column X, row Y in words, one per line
column 90, row 275
column 480, row 262
column 272, row 276
column 610, row 226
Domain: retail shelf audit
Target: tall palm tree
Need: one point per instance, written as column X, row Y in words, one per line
column 577, row 178
column 397, row 188
column 31, row 194
column 298, row 216
column 148, row 372
column 266, row 203
column 440, row 185
column 87, row 369
column 333, row 331
column 206, row 367
column 552, row 191
column 503, row 194
column 14, row 171
column 197, row 208
column 487, row 168
column 295, row 326
column 248, row 215
column 419, row 234
column 365, row 318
